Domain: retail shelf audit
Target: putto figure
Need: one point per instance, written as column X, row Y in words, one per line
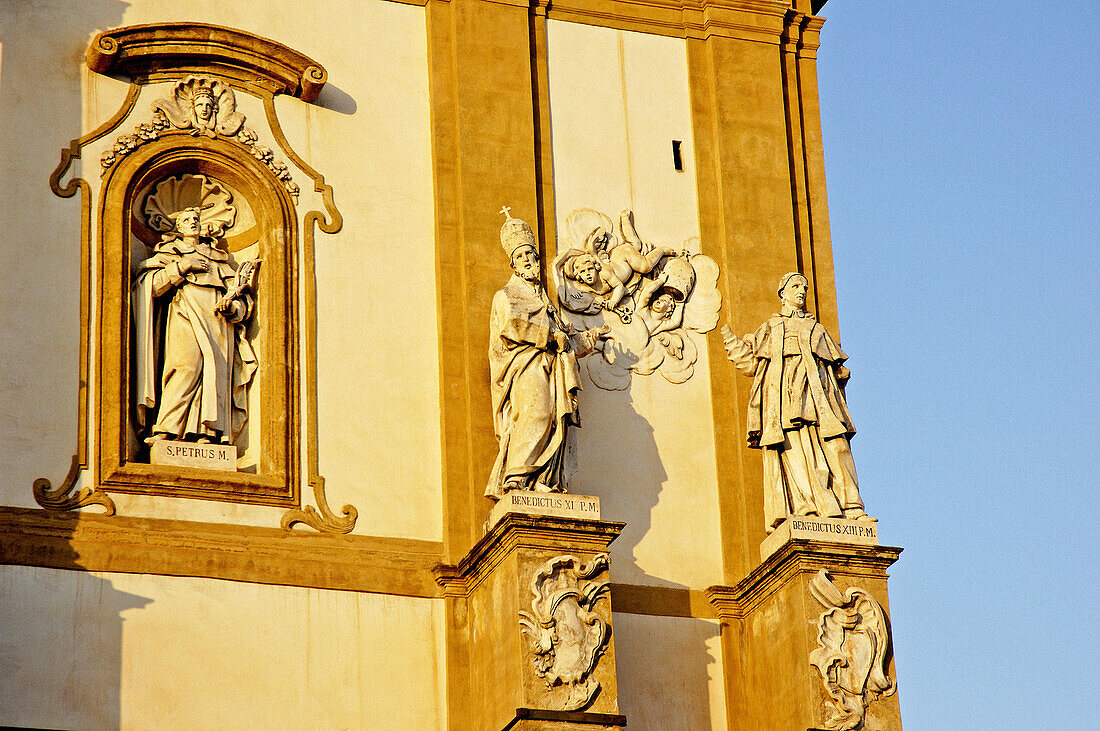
column 533, row 372
column 798, row 415
column 198, row 386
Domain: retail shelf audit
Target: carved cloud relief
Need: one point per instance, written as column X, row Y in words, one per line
column 650, row 296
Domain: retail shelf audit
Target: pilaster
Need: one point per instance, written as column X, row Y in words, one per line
column 770, row 627
column 488, row 593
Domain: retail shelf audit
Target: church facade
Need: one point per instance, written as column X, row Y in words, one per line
column 427, row 364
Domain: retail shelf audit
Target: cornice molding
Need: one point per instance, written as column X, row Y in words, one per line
column 794, row 558
column 87, row 542
column 516, row 531
column 752, row 20
column 168, row 50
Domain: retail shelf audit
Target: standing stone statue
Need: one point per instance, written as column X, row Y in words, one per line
column 533, row 374
column 198, row 386
column 797, row 413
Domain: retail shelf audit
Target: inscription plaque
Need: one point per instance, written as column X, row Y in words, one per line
column 811, row 527
column 530, row 502
column 189, row 454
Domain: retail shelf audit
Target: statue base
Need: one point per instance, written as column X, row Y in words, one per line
column 192, row 454
column 495, row 613
column 772, row 624
column 813, row 528
column 531, row 502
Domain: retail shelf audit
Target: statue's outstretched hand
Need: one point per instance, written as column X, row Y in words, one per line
column 727, row 333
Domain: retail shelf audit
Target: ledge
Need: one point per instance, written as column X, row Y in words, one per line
column 168, row 50
column 796, row 557
column 87, row 542
column 578, row 719
column 520, row 530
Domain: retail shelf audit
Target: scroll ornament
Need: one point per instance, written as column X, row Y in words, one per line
column 853, row 645
column 199, row 106
column 650, row 297
column 566, row 636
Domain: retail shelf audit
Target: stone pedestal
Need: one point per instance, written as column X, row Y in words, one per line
column 533, row 578
column 772, row 627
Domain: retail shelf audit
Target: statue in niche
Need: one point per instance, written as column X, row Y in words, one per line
column 648, row 296
column 191, row 303
column 797, row 412
column 565, row 634
column 534, row 376
column 202, row 106
column 853, row 641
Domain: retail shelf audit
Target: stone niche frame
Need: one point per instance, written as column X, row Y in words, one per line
column 277, row 479
column 249, row 65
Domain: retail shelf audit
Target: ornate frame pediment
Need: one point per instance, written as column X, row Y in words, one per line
column 200, row 105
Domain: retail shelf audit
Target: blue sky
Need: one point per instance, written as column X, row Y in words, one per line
column 962, row 161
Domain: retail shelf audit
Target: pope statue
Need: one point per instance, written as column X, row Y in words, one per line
column 798, row 416
column 534, row 378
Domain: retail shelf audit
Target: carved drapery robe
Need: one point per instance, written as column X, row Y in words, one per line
column 534, row 387
column 798, row 416
column 207, row 363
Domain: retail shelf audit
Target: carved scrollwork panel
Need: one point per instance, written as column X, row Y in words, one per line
column 566, row 636
column 853, row 640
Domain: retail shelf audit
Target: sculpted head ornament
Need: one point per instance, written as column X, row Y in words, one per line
column 515, row 233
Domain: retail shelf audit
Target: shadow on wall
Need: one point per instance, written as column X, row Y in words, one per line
column 60, row 630
column 664, row 663
column 61, row 644
column 619, row 463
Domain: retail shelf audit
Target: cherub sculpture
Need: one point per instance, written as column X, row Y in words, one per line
column 648, row 295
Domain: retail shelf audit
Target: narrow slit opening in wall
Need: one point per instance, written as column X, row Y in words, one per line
column 677, row 157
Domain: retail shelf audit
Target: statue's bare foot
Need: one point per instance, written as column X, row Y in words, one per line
column 159, row 436
column 203, row 440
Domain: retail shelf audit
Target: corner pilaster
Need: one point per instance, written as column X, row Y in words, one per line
column 785, row 616
column 531, row 608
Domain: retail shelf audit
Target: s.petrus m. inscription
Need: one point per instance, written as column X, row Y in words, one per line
column 567, row 637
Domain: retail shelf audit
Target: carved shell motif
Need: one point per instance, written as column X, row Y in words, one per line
column 202, row 105
column 172, row 195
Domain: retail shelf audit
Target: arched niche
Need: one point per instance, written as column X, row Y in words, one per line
column 270, row 455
